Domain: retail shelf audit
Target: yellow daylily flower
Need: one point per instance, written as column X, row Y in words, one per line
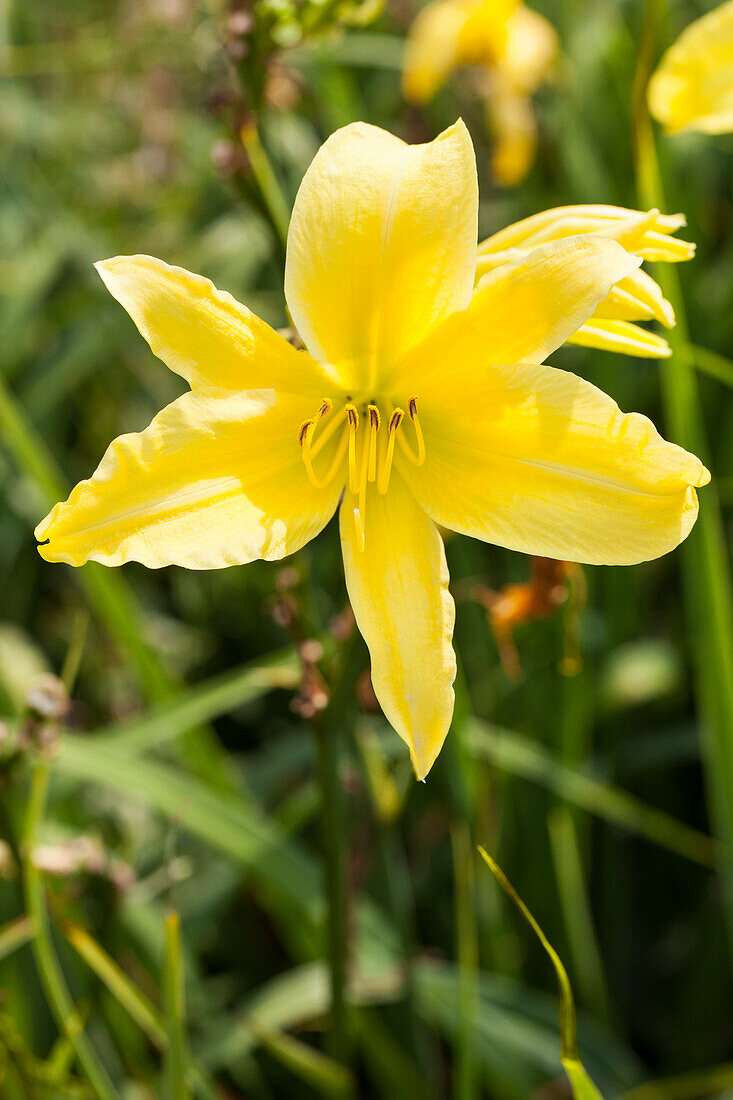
column 692, row 88
column 419, row 401
column 514, row 47
column 636, row 297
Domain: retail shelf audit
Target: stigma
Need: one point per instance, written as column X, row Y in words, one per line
column 363, row 440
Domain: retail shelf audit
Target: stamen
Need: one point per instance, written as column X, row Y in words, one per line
column 353, row 418
column 303, row 430
column 384, row 474
column 419, row 458
column 412, row 406
column 336, row 462
column 326, row 434
column 310, row 450
column 375, row 422
column 304, row 437
column 360, row 510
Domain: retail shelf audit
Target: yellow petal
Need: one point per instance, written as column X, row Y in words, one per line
column 621, row 336
column 530, row 49
column 382, row 245
column 540, row 461
column 398, row 587
column 203, row 333
column 514, row 130
column 432, row 49
column 523, row 311
column 216, row 479
column 692, row 88
column 647, row 234
column 637, row 298
column 448, row 33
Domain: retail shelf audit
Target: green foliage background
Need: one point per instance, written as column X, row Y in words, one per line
column 182, row 762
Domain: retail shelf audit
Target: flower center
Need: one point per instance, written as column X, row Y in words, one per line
column 369, row 456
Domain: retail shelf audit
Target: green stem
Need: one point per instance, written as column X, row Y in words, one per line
column 175, row 1012
column 466, row 1082
column 706, row 569
column 49, row 969
column 712, row 363
column 329, row 729
column 267, row 181
column 334, row 850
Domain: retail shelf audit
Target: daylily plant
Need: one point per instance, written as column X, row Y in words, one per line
column 692, row 88
column 637, row 297
column 513, row 49
column 419, row 401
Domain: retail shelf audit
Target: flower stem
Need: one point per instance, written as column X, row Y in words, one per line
column 706, row 569
column 466, row 1086
column 267, row 181
column 334, row 848
column 49, row 969
column 329, row 729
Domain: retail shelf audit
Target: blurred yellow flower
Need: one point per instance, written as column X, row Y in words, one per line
column 419, row 401
column 636, row 297
column 692, row 88
column 514, row 47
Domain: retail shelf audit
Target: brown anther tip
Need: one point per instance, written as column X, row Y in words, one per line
column 353, row 416
column 412, row 407
column 396, row 419
column 325, row 407
column 303, row 431
column 375, row 420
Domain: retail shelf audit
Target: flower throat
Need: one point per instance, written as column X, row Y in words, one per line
column 369, row 458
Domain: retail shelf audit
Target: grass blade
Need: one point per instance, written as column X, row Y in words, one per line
column 175, row 1012
column 202, row 703
column 685, row 1086
column 49, row 969
column 712, row 363
column 326, row 1076
column 466, row 1085
column 15, row 934
column 145, row 1015
column 575, row 903
column 281, row 867
column 706, row 567
column 581, row 1084
column 519, row 755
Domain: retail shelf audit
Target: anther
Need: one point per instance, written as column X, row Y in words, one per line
column 395, row 420
column 419, row 458
column 306, row 433
column 412, row 406
column 375, row 422
column 303, row 430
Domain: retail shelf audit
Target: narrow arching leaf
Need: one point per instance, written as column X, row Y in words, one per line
column 581, row 1084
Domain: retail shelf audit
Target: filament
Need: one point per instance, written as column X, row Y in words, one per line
column 384, row 474
column 367, row 461
column 326, row 434
column 375, row 422
column 310, row 450
column 419, row 458
column 360, row 510
column 353, row 419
